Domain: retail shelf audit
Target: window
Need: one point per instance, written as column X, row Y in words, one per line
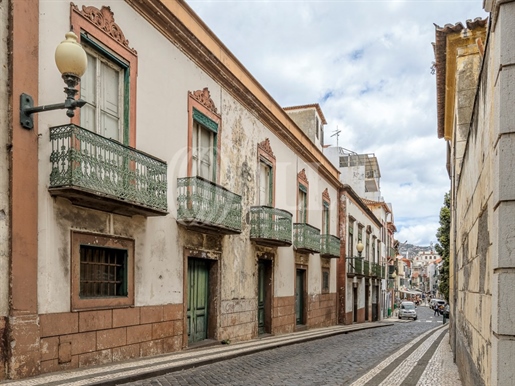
column 367, row 247
column 102, row 271
column 374, row 249
column 265, row 183
column 204, row 131
column 109, row 84
column 103, row 88
column 303, row 204
column 203, row 152
column 302, row 197
column 325, row 218
column 317, row 127
column 351, row 238
column 325, row 280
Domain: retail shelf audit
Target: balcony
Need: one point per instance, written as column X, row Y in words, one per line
column 270, row 226
column 366, row 268
column 306, row 238
column 376, row 270
column 97, row 172
column 354, row 266
column 205, row 206
column 329, row 246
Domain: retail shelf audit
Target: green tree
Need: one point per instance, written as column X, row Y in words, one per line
column 443, row 245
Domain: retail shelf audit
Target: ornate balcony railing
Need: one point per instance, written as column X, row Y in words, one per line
column 206, row 206
column 354, row 266
column 329, row 246
column 270, row 226
column 366, row 268
column 97, row 172
column 306, row 238
column 375, row 270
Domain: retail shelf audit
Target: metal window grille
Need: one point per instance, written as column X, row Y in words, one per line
column 103, row 272
column 325, row 281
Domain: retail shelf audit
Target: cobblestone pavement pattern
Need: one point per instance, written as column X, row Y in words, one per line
column 337, row 360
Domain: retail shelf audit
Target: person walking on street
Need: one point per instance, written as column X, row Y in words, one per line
column 435, row 307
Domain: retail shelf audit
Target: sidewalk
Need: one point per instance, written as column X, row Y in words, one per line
column 425, row 361
column 143, row 368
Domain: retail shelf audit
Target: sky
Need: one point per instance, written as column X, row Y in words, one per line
column 368, row 65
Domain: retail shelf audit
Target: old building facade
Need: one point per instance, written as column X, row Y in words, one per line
column 475, row 69
column 152, row 221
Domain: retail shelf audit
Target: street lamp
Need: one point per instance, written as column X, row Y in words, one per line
column 359, row 248
column 71, row 60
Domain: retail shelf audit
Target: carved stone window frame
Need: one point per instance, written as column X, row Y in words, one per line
column 326, row 205
column 266, row 155
column 200, row 104
column 99, row 24
column 303, row 185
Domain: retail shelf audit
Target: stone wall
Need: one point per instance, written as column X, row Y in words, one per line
column 81, row 339
column 238, row 320
column 283, row 315
column 322, row 310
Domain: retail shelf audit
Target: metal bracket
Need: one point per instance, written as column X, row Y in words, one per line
column 27, row 109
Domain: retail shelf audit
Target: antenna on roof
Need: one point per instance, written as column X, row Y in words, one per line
column 337, row 133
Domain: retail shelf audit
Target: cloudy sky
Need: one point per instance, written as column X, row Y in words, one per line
column 368, row 65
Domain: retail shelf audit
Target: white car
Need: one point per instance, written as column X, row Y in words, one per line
column 408, row 310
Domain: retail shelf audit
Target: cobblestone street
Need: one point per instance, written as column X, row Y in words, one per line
column 337, row 360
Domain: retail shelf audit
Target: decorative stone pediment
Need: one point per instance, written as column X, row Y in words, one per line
column 104, row 19
column 302, row 176
column 266, row 148
column 204, row 98
column 325, row 195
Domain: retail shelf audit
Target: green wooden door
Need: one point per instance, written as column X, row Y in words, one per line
column 198, row 285
column 299, row 296
column 261, row 298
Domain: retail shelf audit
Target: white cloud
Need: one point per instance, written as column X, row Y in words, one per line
column 368, row 65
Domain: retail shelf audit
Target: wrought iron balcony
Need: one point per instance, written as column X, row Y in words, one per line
column 354, row 266
column 97, row 172
column 366, row 268
column 207, row 207
column 375, row 270
column 270, row 226
column 306, row 238
column 329, row 246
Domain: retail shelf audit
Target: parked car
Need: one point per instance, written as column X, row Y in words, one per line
column 408, row 310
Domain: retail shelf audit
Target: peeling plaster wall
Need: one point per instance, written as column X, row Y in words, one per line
column 162, row 130
column 4, row 164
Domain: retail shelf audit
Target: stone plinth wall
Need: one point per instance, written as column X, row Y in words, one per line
column 3, row 348
column 81, row 339
column 322, row 310
column 283, row 315
column 238, row 320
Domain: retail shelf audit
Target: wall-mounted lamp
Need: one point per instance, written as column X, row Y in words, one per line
column 71, row 60
column 359, row 248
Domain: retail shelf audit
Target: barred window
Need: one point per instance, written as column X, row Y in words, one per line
column 103, row 272
column 325, row 280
